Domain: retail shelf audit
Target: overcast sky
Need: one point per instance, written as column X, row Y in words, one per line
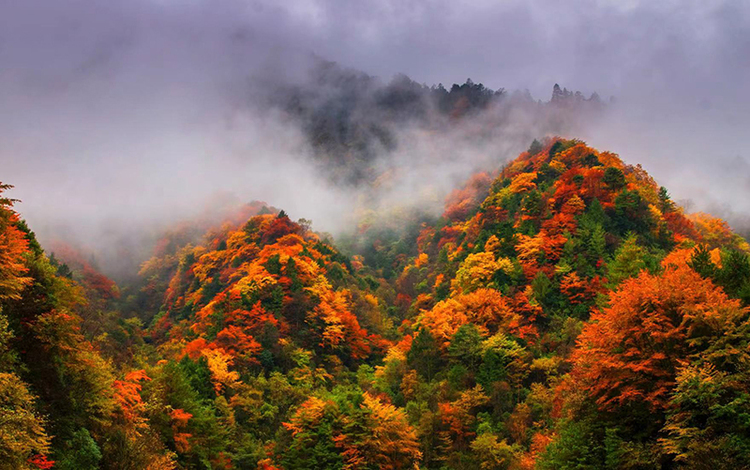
column 612, row 46
column 110, row 109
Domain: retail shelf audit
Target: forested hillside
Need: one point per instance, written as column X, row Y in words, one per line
column 562, row 313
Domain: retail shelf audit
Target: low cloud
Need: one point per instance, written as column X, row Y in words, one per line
column 122, row 117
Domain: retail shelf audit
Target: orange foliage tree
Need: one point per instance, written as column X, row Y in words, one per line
column 489, row 309
column 128, row 397
column 13, row 245
column 632, row 350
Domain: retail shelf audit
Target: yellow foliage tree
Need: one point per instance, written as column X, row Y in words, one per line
column 477, row 271
column 218, row 364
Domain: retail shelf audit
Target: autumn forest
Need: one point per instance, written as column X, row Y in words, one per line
column 293, row 235
column 562, row 312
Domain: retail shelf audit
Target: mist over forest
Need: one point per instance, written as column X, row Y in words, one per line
column 190, row 104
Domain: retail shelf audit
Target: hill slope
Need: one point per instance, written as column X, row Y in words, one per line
column 562, row 313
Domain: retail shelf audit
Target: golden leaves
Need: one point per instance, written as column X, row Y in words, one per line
column 308, row 414
column 478, row 270
column 523, row 183
column 218, row 363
